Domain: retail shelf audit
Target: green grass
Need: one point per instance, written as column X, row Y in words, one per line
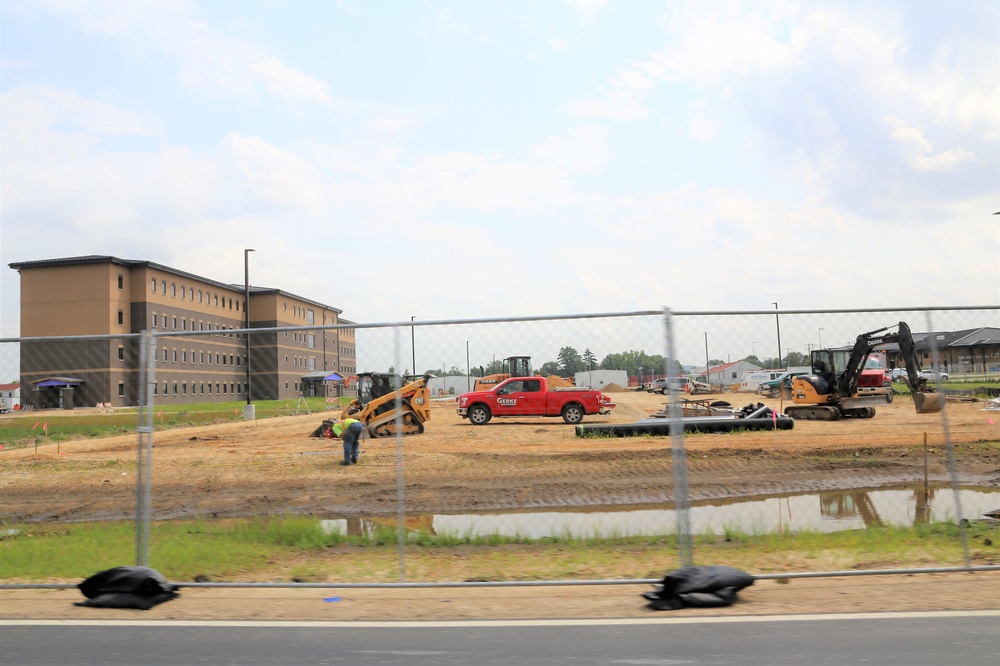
column 296, row 548
column 951, row 385
column 66, row 426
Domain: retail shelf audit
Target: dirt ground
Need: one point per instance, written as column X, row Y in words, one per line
column 273, row 467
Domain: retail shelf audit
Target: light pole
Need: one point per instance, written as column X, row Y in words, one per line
column 753, row 349
column 708, row 374
column 468, row 368
column 413, row 347
column 820, row 338
column 248, row 411
column 777, row 325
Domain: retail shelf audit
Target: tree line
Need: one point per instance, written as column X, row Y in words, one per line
column 635, row 363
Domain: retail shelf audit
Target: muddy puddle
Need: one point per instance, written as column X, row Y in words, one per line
column 820, row 512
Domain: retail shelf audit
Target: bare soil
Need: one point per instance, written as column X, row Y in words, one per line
column 273, row 467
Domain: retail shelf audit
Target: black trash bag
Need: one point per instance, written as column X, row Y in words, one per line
column 698, row 587
column 127, row 587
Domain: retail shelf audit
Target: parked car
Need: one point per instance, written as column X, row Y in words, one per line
column 773, row 388
column 934, row 375
column 664, row 384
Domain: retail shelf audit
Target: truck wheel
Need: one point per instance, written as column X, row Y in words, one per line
column 479, row 415
column 572, row 414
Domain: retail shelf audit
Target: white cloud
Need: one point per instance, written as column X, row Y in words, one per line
column 559, row 45
column 216, row 64
column 701, row 128
column 919, row 151
column 587, row 10
column 582, row 148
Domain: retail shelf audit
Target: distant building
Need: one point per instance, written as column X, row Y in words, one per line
column 727, row 374
column 102, row 295
column 10, row 395
column 598, row 379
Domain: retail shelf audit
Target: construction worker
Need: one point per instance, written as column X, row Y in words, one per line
column 349, row 430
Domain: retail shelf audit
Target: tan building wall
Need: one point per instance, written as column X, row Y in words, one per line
column 198, row 357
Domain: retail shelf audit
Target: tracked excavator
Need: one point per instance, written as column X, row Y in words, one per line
column 377, row 408
column 830, row 391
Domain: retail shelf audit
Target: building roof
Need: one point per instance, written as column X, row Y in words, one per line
column 322, row 376
column 57, row 381
column 9, row 387
column 140, row 263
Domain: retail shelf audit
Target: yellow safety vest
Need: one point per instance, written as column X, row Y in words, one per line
column 339, row 427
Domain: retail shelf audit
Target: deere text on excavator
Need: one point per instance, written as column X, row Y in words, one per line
column 376, row 405
column 830, row 391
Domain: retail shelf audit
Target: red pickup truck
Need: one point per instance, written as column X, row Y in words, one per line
column 531, row 396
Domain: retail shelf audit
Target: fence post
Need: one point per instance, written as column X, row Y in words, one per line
column 678, row 454
column 144, row 449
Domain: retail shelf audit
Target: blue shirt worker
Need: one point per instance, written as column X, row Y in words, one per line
column 349, row 430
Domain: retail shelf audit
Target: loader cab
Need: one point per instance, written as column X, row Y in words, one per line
column 517, row 366
column 374, row 385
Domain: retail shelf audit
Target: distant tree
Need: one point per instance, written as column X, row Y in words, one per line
column 716, row 361
column 569, row 361
column 797, row 358
column 752, row 359
column 549, row 368
column 589, row 359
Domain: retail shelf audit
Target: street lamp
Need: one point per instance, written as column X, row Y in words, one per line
column 753, row 349
column 777, row 325
column 468, row 368
column 248, row 411
column 413, row 348
column 820, row 338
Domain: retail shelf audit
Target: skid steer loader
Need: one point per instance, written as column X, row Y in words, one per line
column 384, row 404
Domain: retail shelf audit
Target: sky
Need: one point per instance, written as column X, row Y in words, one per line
column 452, row 160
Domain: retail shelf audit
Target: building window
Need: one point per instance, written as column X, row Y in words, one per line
column 310, row 317
column 230, row 304
column 184, row 388
column 202, row 387
column 164, row 360
column 183, row 292
column 210, row 388
column 173, row 322
column 311, row 341
column 201, row 358
column 184, row 324
column 121, row 389
column 224, row 388
column 173, row 289
column 175, row 388
column 199, row 296
column 156, row 389
column 121, row 282
column 237, row 305
column 184, row 357
column 121, row 317
column 121, row 353
column 154, row 285
column 163, row 283
column 153, row 319
column 175, row 355
column 216, row 300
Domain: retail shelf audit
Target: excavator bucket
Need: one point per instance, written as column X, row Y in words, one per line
column 928, row 403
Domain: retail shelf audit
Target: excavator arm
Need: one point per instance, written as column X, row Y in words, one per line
column 925, row 399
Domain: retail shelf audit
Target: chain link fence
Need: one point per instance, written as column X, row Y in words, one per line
column 221, row 423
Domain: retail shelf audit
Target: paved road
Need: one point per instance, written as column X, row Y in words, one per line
column 957, row 639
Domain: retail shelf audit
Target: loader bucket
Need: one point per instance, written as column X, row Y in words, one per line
column 928, row 403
